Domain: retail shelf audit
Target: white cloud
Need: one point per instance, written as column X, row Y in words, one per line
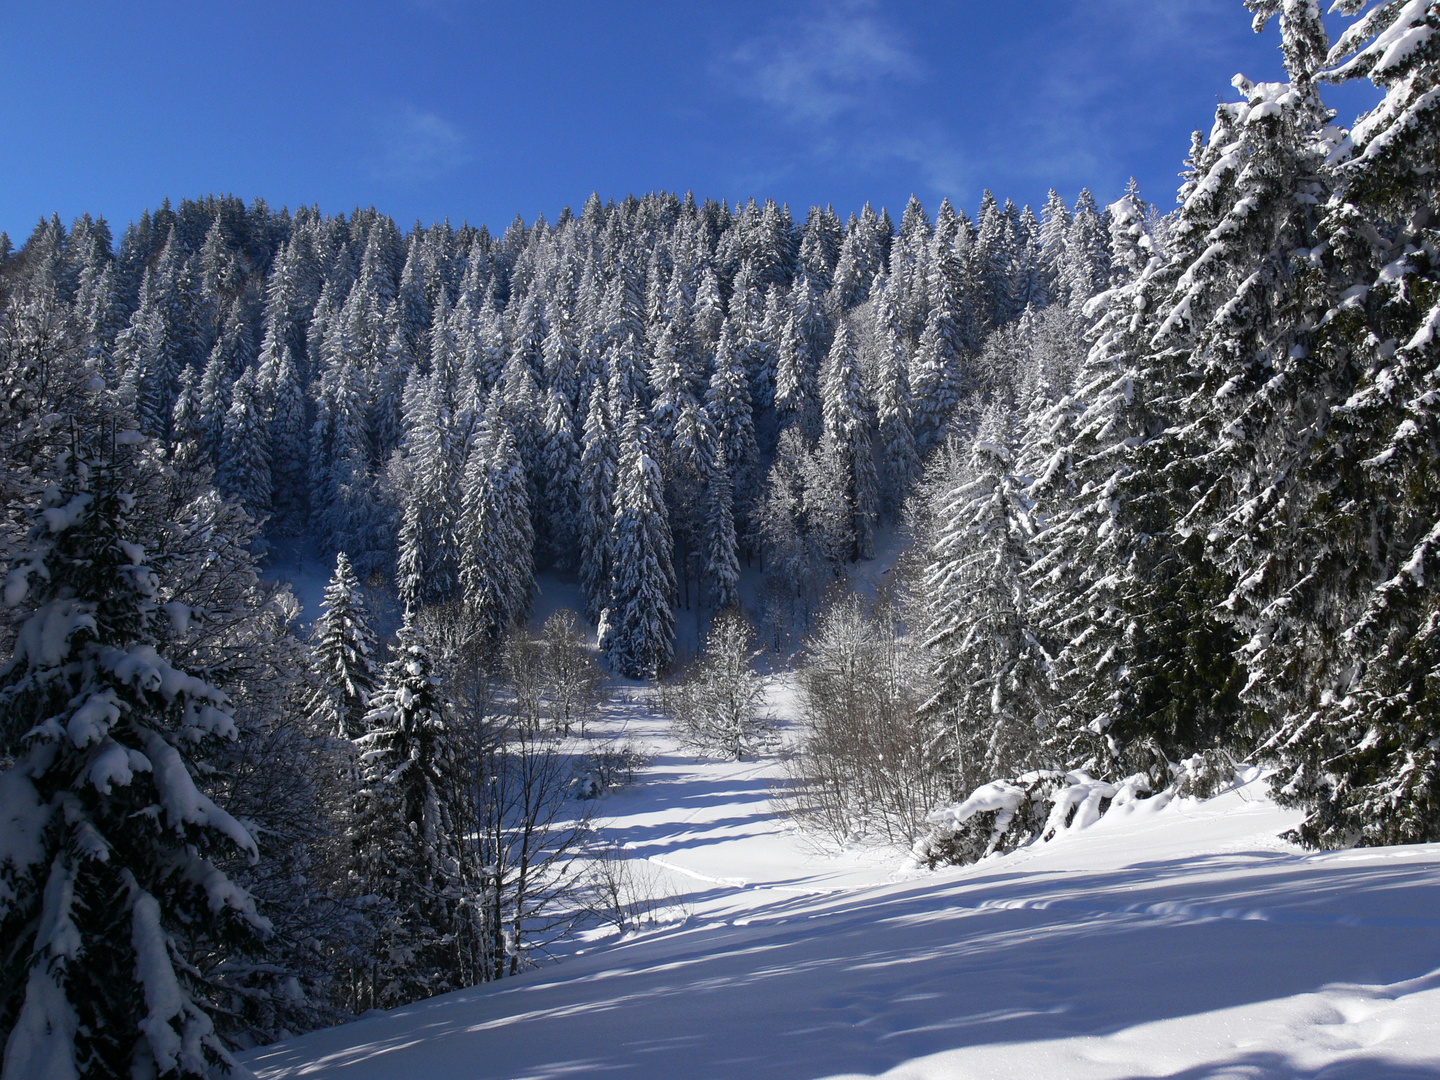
column 417, row 146
column 1079, row 120
column 835, row 77
column 849, row 88
column 1148, row 27
column 814, row 69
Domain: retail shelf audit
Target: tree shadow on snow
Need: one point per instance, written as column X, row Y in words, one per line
column 1264, row 1065
column 868, row 983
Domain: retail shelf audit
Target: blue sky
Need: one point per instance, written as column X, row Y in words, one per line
column 480, row 110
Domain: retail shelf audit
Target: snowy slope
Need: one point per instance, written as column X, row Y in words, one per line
column 1188, row 942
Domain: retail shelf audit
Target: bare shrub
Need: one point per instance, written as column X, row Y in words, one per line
column 716, row 704
column 864, row 768
column 606, row 769
column 572, row 679
column 522, row 669
column 621, row 890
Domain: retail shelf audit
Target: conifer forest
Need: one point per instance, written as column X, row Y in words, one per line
column 1159, row 479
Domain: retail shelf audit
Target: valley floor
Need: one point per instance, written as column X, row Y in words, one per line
column 1188, row 942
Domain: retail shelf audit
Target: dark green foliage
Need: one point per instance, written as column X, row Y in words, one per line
column 109, row 878
column 409, row 865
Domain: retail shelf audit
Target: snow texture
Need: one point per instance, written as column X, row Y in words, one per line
column 1169, row 938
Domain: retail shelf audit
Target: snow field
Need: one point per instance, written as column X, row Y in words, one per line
column 1186, row 941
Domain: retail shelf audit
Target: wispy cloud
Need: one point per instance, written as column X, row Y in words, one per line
column 836, row 77
column 1159, row 28
column 415, row 146
column 848, row 85
column 816, row 68
column 1083, row 113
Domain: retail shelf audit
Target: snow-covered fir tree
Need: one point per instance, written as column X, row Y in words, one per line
column 561, row 514
column 991, row 674
column 727, row 401
column 638, row 626
column 934, row 381
column 847, row 447
column 187, row 428
column 899, row 459
column 344, row 655
column 244, row 472
column 111, row 870
column 497, row 574
column 435, row 448
column 1363, row 758
column 406, row 839
column 598, row 465
column 288, row 443
column 722, row 563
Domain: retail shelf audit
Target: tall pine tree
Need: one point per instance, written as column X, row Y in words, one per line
column 110, row 876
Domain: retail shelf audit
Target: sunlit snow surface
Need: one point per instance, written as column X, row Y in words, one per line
column 1188, row 942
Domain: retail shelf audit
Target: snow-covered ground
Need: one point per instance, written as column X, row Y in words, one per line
column 1188, row 943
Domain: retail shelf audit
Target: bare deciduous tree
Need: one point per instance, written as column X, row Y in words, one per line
column 621, row 890
column 522, row 828
column 717, row 704
column 572, row 679
column 864, row 768
column 528, row 832
column 521, row 669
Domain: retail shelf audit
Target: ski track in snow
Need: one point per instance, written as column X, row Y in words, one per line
column 1187, row 942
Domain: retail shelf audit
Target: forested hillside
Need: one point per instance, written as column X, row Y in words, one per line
column 1168, row 474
